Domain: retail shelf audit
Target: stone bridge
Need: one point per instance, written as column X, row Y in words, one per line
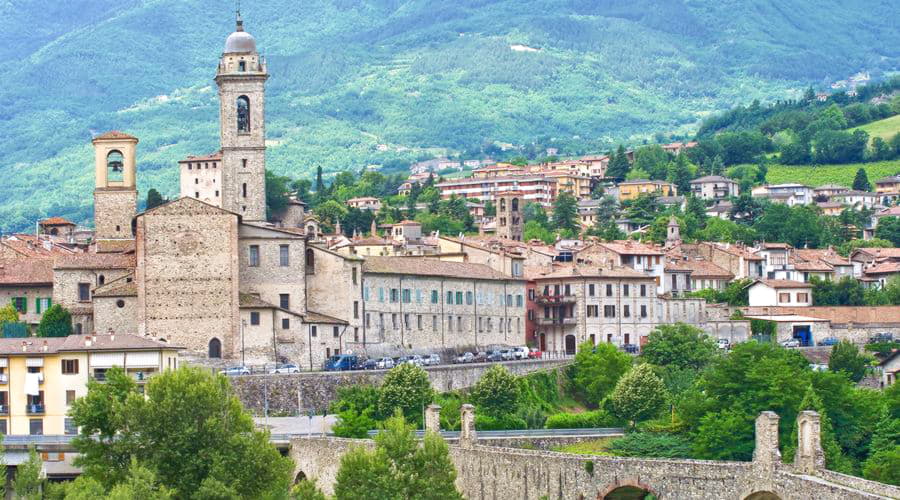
column 491, row 472
column 292, row 394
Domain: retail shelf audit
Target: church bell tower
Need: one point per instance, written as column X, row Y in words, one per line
column 241, row 78
column 115, row 192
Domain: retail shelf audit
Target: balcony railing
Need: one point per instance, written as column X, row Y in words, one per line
column 557, row 321
column 555, row 299
column 34, row 409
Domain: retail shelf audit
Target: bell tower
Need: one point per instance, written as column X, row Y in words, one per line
column 241, row 78
column 115, row 192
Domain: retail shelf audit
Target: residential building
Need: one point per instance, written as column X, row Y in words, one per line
column 777, row 260
column 830, row 208
column 534, row 188
column 498, row 170
column 641, row 257
column 504, row 256
column 829, row 190
column 790, row 194
column 27, row 284
column 737, row 259
column 365, row 203
column 630, row 190
column 890, row 367
column 575, row 184
column 888, row 189
column 857, row 199
column 40, row 378
column 714, row 187
column 779, row 292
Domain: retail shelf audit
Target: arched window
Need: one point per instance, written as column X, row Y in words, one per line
column 101, row 280
column 310, row 261
column 502, row 204
column 515, row 204
column 243, row 114
column 115, row 166
column 54, row 232
column 215, row 348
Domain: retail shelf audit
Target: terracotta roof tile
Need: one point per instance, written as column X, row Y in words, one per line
column 56, row 221
column 783, row 283
column 571, row 271
column 35, row 345
column 114, row 134
column 26, row 272
column 96, row 261
column 629, row 247
column 431, row 267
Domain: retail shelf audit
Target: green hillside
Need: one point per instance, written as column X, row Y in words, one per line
column 348, row 75
column 885, row 129
column 817, row 175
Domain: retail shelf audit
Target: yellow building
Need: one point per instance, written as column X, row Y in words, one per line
column 40, row 378
column 578, row 186
column 630, row 190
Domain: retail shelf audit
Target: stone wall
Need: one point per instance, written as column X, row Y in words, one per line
column 117, row 314
column 113, row 210
column 299, row 393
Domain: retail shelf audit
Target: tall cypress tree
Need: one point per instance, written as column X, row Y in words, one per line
column 618, row 165
column 861, row 181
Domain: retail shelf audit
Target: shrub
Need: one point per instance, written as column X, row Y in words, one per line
column 653, row 445
column 586, row 420
column 56, row 322
column 408, row 388
column 639, row 395
column 356, row 397
column 884, row 466
column 496, row 393
column 501, row 423
column 353, row 424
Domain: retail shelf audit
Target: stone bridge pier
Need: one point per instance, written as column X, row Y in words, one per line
column 497, row 473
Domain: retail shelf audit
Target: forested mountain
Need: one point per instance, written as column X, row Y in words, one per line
column 420, row 76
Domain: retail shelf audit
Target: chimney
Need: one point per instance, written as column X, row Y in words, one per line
column 45, row 347
column 112, row 335
column 24, row 346
column 87, row 341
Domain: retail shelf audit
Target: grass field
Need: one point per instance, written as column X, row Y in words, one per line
column 816, row 175
column 592, row 447
column 882, row 128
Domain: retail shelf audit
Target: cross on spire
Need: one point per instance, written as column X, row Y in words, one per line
column 240, row 21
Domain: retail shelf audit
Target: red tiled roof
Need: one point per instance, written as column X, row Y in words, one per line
column 96, row 261
column 571, row 271
column 629, row 247
column 120, row 342
column 210, row 157
column 783, row 283
column 114, row 134
column 431, row 267
column 56, row 221
column 26, row 272
column 702, row 268
column 883, row 268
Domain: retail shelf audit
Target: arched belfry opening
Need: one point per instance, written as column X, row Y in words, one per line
column 243, row 114
column 115, row 166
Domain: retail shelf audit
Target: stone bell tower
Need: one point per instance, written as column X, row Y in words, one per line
column 241, row 78
column 510, row 215
column 115, row 193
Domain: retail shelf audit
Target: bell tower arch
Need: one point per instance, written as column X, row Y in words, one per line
column 115, row 189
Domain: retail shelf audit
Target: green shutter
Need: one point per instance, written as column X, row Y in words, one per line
column 37, row 305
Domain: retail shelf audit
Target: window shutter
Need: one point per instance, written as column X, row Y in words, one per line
column 24, row 305
column 37, row 306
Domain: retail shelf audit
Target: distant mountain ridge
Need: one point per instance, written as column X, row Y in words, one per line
column 418, row 76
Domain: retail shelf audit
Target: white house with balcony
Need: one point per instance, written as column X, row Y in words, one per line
column 714, row 187
column 775, row 293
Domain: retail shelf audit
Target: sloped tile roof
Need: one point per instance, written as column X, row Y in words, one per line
column 430, row 267
column 26, row 272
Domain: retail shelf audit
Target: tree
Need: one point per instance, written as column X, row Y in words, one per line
column 861, row 181
column 653, row 160
column 8, row 314
column 889, row 229
column 142, row 483
column 277, row 194
column 618, row 165
column 533, row 230
column 331, row 212
column 849, row 247
column 154, row 199
column 354, row 424
column 834, row 458
column 680, row 174
column 846, row 357
column 496, row 393
column 28, row 482
column 398, row 467
column 56, row 322
column 408, row 388
column 884, row 466
column 565, row 212
column 534, row 211
column 639, row 395
column 597, row 369
column 307, row 490
column 679, row 346
column 490, row 210
column 190, row 429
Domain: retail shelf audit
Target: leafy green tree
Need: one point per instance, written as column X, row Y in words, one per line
column 8, row 314
column 398, row 467
column 845, row 357
column 307, row 490
column 639, row 395
column 154, row 199
column 847, row 248
column 889, row 229
column 190, row 429
column 56, row 322
column 887, row 433
column 3, row 469
column 845, row 292
column 834, row 457
column 490, row 210
column 881, row 150
column 277, row 193
column 679, row 346
column 725, row 435
column 28, row 481
column 496, row 393
column 861, row 181
column 726, row 231
column 597, row 369
column 354, row 424
column 142, row 483
column 618, row 165
column 652, row 159
column 535, row 212
column 408, row 388
column 533, row 230
column 565, row 212
column 884, row 466
column 680, row 174
column 82, row 488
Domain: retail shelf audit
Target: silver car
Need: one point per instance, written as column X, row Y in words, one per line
column 384, row 364
column 285, row 368
column 431, row 359
column 507, row 354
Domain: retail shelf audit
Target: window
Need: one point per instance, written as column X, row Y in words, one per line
column 643, row 311
column 609, row 311
column 70, row 428
column 310, row 261
column 531, row 294
column 609, row 291
column 625, row 290
column 335, row 332
column 21, row 303
column 242, row 66
column 368, row 322
column 591, row 290
column 459, row 298
column 366, row 294
column 355, row 309
column 530, row 315
column 434, row 322
column 643, row 290
column 418, row 296
column 419, row 321
column 70, row 366
column 449, row 323
column 802, row 297
column 84, row 292
column 380, row 294
column 36, row 426
column 284, row 300
column 626, row 311
column 509, row 300
column 355, row 334
column 254, row 318
column 394, row 321
column 468, row 298
column 215, row 348
column 593, row 311
column 313, row 331
column 459, row 323
column 450, row 298
column 254, row 255
column 406, row 321
column 353, row 274
column 243, row 114
column 284, row 255
column 70, row 397
column 395, row 295
column 434, row 296
column 243, row 163
column 285, row 323
column 519, row 301
column 407, row 296
column 784, row 297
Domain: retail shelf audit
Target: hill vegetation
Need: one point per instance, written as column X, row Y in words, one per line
column 421, row 78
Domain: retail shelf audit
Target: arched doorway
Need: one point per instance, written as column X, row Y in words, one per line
column 301, row 476
column 570, row 344
column 763, row 495
column 215, row 348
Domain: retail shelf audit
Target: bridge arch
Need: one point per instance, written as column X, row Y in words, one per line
column 628, row 489
column 762, row 495
column 301, row 476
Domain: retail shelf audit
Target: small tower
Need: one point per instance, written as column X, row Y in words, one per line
column 510, row 216
column 673, row 232
column 241, row 78
column 115, row 192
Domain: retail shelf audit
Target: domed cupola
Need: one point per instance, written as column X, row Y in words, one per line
column 240, row 42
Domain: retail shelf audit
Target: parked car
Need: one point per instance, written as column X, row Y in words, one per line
column 494, row 356
column 879, row 338
column 285, row 368
column 384, row 363
column 431, row 359
column 724, row 344
column 342, row 362
column 413, row 359
column 828, row 341
column 465, row 357
column 370, row 364
column 507, row 354
column 520, row 352
column 481, row 357
column 235, row 371
column 535, row 353
column 630, row 348
column 790, row 343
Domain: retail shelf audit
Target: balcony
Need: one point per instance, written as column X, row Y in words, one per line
column 37, row 409
column 551, row 300
column 4, row 379
column 4, row 409
column 557, row 321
